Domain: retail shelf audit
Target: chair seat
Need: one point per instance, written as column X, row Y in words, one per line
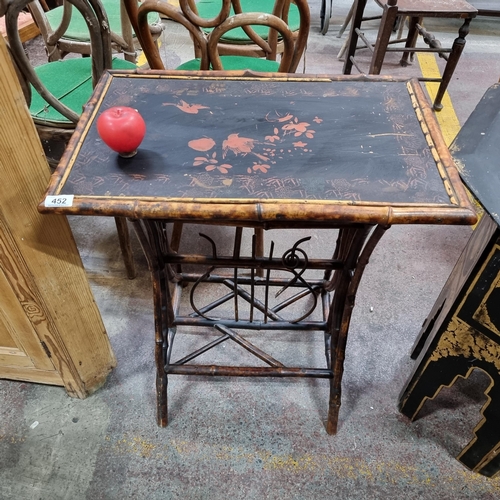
column 209, row 9
column 73, row 90
column 433, row 8
column 232, row 63
column 77, row 29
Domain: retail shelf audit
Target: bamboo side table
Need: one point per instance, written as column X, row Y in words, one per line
column 352, row 154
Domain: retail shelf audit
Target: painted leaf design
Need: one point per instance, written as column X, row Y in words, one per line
column 261, row 167
column 272, row 138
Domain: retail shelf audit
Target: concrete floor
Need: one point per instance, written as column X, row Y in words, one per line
column 260, row 438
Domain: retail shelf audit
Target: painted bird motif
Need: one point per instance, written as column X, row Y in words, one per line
column 241, row 145
column 237, row 145
column 192, row 109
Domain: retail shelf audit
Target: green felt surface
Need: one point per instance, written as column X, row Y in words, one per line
column 210, row 8
column 230, row 63
column 77, row 29
column 70, row 81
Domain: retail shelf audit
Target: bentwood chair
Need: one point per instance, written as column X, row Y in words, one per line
column 208, row 34
column 237, row 42
column 416, row 11
column 64, row 30
column 56, row 92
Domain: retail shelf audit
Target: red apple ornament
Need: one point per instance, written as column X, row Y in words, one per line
column 122, row 129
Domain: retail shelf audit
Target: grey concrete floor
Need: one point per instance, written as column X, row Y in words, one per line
column 260, row 438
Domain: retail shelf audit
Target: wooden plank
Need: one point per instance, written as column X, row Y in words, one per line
column 16, row 330
column 27, row 27
column 30, row 375
column 14, row 357
column 39, row 256
column 6, row 339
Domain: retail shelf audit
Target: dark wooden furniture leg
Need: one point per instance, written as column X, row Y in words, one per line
column 176, row 236
column 152, row 244
column 353, row 35
column 453, row 58
column 126, row 248
column 324, row 15
column 463, row 333
column 388, row 20
column 411, row 40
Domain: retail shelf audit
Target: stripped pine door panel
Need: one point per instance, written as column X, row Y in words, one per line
column 22, row 355
column 50, row 328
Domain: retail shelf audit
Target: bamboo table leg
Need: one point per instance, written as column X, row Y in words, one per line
column 354, row 246
column 126, row 249
column 151, row 243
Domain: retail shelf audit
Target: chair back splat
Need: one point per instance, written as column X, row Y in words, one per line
column 257, row 37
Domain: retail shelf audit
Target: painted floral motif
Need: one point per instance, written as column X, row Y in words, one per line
column 281, row 144
column 259, row 167
column 275, row 137
column 299, row 128
column 267, row 151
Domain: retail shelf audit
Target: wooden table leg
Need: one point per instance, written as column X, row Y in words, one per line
column 152, row 243
column 453, row 58
column 126, row 248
